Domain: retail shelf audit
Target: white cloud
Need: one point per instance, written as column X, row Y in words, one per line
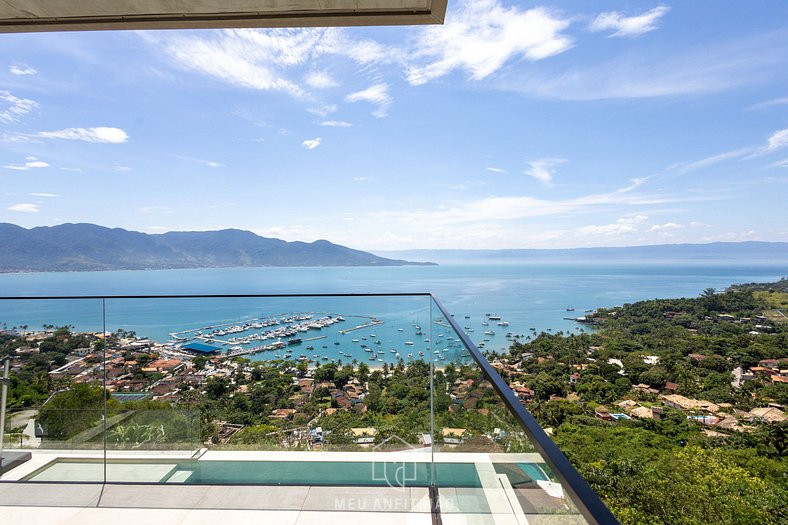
column 44, row 195
column 359, row 179
column 377, row 94
column 495, row 170
column 628, row 25
column 606, row 229
column 780, row 163
column 543, row 169
column 30, row 163
column 100, row 134
column 668, row 226
column 323, row 111
column 320, row 80
column 336, row 124
column 24, row 208
column 633, row 219
column 15, row 108
column 480, row 36
column 779, row 139
column 312, row 143
column 21, row 69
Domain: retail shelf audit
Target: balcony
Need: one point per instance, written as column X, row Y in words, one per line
column 299, row 409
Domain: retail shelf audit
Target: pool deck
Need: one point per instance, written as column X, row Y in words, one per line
column 495, row 503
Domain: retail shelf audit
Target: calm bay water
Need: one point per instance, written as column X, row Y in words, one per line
column 525, row 295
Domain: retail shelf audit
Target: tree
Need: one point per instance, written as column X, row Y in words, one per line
column 199, row 361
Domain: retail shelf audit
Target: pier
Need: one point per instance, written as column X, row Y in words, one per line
column 373, row 322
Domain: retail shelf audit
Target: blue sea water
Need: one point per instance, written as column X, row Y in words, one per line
column 525, row 295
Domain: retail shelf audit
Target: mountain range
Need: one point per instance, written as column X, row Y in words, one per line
column 88, row 247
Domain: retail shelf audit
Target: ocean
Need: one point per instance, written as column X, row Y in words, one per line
column 530, row 297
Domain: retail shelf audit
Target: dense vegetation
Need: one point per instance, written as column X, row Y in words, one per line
column 669, row 470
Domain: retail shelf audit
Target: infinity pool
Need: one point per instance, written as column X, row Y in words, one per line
column 337, row 473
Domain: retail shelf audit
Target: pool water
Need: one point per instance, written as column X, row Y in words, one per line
column 328, row 473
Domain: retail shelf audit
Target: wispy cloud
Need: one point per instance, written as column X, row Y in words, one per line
column 705, row 69
column 775, row 142
column 99, row 134
column 543, row 169
column 320, row 80
column 523, row 207
column 323, row 111
column 209, row 163
column 29, row 164
column 377, row 94
column 480, row 36
column 770, row 103
column 495, row 170
column 24, row 208
column 21, row 69
column 359, row 179
column 46, row 195
column 312, row 143
column 336, row 124
column 15, row 107
column 629, row 26
column 264, row 59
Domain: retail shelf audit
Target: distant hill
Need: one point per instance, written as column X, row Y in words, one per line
column 717, row 251
column 87, row 247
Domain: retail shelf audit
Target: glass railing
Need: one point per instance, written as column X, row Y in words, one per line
column 329, row 402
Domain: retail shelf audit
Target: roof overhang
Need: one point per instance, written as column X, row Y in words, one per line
column 19, row 16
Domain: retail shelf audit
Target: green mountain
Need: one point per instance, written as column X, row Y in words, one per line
column 87, row 247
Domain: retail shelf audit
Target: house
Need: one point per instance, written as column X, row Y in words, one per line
column 685, row 403
column 671, row 387
column 574, row 378
column 643, row 413
column 364, row 436
column 603, row 413
column 453, row 436
column 642, row 387
column 627, row 404
column 164, row 366
column 767, row 415
column 283, row 413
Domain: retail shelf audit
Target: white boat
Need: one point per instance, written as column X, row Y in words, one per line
column 409, row 343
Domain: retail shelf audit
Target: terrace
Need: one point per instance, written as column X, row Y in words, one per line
column 465, row 451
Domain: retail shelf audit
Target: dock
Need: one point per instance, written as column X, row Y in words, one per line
column 373, row 322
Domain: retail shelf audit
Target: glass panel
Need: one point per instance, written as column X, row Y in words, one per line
column 55, row 399
column 326, row 395
column 474, row 427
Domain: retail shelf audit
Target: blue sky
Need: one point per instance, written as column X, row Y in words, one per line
column 514, row 125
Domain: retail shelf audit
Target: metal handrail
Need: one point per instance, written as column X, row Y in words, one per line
column 587, row 500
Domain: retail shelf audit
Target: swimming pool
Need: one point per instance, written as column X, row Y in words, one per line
column 215, row 472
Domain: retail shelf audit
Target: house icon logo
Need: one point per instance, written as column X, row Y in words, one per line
column 396, row 474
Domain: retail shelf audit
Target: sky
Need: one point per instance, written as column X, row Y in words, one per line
column 514, row 125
